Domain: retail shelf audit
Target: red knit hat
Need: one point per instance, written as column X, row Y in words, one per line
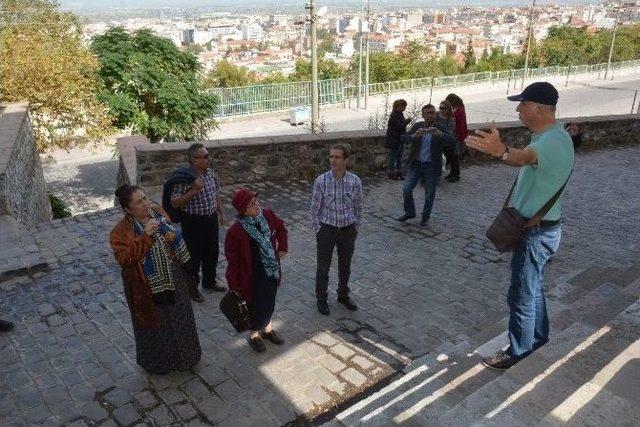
column 241, row 199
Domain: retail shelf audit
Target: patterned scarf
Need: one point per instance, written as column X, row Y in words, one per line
column 263, row 237
column 156, row 264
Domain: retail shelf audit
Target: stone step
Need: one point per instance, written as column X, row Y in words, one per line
column 588, row 372
column 20, row 253
column 442, row 379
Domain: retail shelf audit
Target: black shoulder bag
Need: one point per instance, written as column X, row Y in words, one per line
column 507, row 229
column 236, row 311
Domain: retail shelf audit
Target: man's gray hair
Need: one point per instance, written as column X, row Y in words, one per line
column 193, row 149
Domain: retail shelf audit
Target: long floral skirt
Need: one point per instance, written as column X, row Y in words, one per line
column 175, row 345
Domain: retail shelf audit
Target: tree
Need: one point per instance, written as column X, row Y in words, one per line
column 153, row 87
column 45, row 62
column 469, row 56
column 325, row 41
column 226, row 74
column 327, row 69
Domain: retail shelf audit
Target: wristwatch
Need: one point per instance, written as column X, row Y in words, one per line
column 505, row 155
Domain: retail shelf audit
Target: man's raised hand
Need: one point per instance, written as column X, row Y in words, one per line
column 487, row 142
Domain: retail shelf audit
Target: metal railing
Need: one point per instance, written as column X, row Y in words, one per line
column 247, row 100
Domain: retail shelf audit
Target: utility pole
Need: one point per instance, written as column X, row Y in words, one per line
column 613, row 40
column 314, row 66
column 359, row 61
column 530, row 35
column 366, row 64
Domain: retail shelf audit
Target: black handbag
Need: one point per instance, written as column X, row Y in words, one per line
column 236, row 311
column 508, row 227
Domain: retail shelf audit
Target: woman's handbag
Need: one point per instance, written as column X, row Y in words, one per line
column 507, row 229
column 236, row 311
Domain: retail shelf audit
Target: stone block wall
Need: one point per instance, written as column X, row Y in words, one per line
column 287, row 157
column 23, row 192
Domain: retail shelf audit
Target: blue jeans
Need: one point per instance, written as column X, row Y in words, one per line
column 417, row 171
column 394, row 159
column 528, row 321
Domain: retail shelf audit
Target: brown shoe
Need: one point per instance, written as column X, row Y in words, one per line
column 273, row 337
column 500, row 361
column 257, row 344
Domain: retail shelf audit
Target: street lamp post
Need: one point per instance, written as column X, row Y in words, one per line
column 613, row 40
column 314, row 67
column 530, row 35
column 366, row 64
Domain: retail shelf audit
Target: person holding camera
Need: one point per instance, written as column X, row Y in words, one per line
column 425, row 163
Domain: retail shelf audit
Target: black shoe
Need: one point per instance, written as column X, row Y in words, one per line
column 392, row 176
column 6, row 326
column 273, row 337
column 257, row 344
column 452, row 178
column 348, row 302
column 214, row 288
column 323, row 307
column 424, row 221
column 500, row 361
column 400, row 177
column 195, row 295
column 405, row 217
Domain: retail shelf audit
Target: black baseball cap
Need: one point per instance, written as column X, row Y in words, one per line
column 541, row 92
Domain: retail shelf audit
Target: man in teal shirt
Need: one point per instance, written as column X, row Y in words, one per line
column 545, row 165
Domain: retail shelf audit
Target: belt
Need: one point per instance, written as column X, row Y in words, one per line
column 336, row 227
column 545, row 223
column 211, row 215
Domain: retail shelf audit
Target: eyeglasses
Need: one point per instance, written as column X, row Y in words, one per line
column 206, row 156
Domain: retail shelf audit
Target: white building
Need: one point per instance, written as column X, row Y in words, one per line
column 252, row 32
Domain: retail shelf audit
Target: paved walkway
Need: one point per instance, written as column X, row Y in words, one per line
column 71, row 357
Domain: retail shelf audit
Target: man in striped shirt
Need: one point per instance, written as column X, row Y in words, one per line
column 202, row 214
column 336, row 216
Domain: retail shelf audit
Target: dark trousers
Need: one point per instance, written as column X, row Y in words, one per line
column 200, row 233
column 453, row 160
column 344, row 238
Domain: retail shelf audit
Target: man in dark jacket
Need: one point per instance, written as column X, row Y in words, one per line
column 425, row 162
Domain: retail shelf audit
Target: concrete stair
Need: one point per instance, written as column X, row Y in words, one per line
column 588, row 373
column 20, row 252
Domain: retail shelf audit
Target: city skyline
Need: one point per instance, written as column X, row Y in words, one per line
column 87, row 6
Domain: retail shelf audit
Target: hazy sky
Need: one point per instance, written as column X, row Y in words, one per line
column 293, row 5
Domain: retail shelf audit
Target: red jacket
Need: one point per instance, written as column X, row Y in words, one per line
column 237, row 249
column 461, row 124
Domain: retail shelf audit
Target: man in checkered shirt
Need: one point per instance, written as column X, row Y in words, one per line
column 335, row 216
column 202, row 214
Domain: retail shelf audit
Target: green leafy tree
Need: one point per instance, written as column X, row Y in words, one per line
column 276, row 77
column 469, row 56
column 44, row 61
column 325, row 41
column 153, row 87
column 327, row 69
column 226, row 74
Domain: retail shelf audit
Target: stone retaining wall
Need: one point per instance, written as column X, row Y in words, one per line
column 287, row 157
column 23, row 192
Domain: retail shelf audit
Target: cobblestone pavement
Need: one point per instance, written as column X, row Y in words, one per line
column 71, row 357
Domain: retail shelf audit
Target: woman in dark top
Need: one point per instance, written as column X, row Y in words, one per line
column 396, row 129
column 153, row 255
column 254, row 246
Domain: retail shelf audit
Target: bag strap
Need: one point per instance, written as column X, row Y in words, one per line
column 506, row 202
column 535, row 220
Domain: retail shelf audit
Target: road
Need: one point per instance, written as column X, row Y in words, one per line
column 581, row 98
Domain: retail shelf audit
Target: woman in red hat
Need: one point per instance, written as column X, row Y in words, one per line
column 254, row 246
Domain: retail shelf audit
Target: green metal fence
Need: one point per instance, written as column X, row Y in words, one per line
column 246, row 100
